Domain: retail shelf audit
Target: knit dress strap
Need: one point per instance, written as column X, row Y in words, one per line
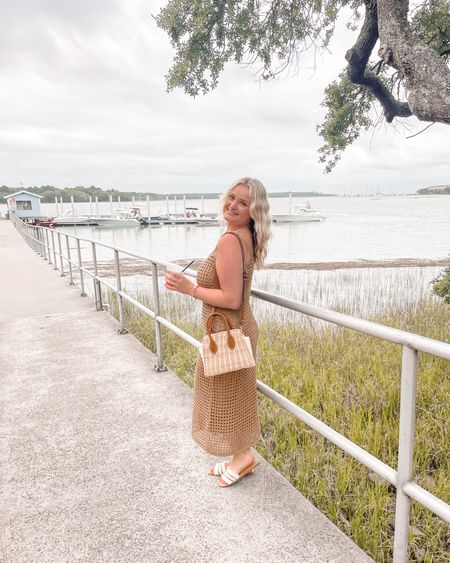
column 244, row 274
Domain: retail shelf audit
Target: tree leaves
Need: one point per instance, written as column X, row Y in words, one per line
column 432, row 23
column 206, row 34
column 348, row 112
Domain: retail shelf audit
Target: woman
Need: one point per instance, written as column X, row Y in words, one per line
column 225, row 414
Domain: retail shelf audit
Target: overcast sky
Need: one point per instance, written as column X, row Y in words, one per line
column 83, row 102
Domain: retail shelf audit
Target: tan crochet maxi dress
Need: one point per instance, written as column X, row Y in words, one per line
column 225, row 414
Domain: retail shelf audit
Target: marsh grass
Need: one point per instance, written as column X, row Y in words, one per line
column 364, row 292
column 352, row 383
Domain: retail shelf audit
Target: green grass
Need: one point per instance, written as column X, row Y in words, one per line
column 352, row 383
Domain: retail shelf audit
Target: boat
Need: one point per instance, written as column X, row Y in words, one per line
column 189, row 217
column 299, row 214
column 183, row 220
column 47, row 223
column 178, row 219
column 201, row 218
column 69, row 219
column 122, row 217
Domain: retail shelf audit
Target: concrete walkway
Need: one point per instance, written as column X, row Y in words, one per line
column 96, row 458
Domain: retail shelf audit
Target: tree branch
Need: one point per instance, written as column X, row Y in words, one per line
column 358, row 57
column 426, row 75
column 420, row 132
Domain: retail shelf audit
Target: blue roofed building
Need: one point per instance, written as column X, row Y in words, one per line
column 24, row 205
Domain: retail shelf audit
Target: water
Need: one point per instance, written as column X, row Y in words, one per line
column 355, row 228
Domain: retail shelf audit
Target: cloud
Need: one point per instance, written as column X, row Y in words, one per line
column 83, row 100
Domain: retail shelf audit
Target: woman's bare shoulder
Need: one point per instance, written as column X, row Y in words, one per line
column 227, row 243
column 231, row 243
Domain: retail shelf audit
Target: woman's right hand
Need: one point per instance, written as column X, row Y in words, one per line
column 177, row 282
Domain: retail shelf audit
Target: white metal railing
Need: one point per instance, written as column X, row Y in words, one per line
column 47, row 243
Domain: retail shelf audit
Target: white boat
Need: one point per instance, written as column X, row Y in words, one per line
column 299, row 214
column 189, row 217
column 186, row 219
column 122, row 218
column 68, row 219
column 200, row 218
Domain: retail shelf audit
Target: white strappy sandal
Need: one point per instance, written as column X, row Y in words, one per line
column 218, row 469
column 230, row 477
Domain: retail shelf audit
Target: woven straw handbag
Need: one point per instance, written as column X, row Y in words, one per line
column 229, row 350
column 225, row 351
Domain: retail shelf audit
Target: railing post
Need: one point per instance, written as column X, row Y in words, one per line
column 33, row 242
column 44, row 246
column 69, row 260
column 159, row 366
column 42, row 238
column 48, row 247
column 97, row 285
column 122, row 329
column 80, row 271
column 60, row 255
column 54, row 251
column 38, row 241
column 405, row 452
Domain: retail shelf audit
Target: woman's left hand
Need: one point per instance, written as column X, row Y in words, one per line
column 178, row 282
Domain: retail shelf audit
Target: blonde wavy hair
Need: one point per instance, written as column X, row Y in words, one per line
column 261, row 219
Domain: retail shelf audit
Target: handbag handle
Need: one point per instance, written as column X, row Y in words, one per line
column 212, row 343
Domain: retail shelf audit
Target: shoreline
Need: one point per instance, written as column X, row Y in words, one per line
column 352, row 264
column 131, row 266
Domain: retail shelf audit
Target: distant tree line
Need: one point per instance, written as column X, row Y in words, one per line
column 81, row 193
